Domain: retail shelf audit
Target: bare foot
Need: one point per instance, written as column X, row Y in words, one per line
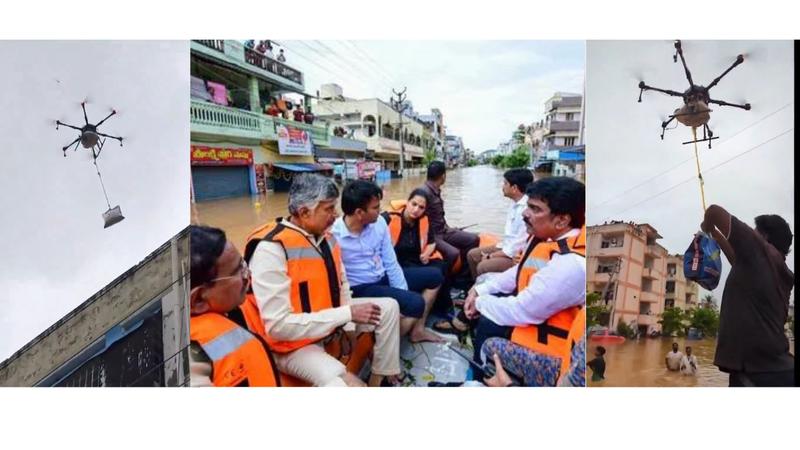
column 424, row 335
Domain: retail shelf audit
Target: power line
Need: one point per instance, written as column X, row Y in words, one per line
column 706, row 171
column 646, row 181
column 312, row 61
column 389, row 77
column 339, row 64
column 340, row 58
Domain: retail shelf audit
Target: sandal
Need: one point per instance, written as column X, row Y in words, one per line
column 448, row 326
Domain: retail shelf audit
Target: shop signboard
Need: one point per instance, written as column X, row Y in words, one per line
column 220, row 156
column 294, row 141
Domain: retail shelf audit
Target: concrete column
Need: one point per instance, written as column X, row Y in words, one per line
column 255, row 99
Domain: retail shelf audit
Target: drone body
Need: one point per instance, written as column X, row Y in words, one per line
column 695, row 112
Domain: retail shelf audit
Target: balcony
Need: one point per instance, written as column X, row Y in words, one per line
column 392, row 146
column 647, row 319
column 235, row 55
column 563, row 126
column 212, row 119
column 648, row 297
column 648, row 272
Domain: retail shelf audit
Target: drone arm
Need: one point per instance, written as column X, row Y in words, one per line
column 75, row 143
column 683, row 61
column 59, row 123
column 645, row 87
column 112, row 137
column 83, row 105
column 107, row 117
column 739, row 60
column 745, row 107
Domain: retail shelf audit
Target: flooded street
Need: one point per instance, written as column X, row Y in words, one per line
column 472, row 196
column 641, row 363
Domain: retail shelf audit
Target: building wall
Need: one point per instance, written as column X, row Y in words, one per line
column 162, row 275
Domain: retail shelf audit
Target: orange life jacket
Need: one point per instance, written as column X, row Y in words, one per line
column 549, row 337
column 314, row 274
column 239, row 356
column 396, row 226
column 576, row 333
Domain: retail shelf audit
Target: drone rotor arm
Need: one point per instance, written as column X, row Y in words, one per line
column 75, row 142
column 645, row 87
column 83, row 105
column 745, row 107
column 739, row 60
column 62, row 124
column 107, row 117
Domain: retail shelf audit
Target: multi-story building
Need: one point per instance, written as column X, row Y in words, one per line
column 563, row 114
column 236, row 149
column 625, row 261
column 133, row 332
column 454, row 150
column 375, row 122
column 679, row 292
column 435, row 120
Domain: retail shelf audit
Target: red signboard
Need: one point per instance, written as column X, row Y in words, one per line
column 218, row 156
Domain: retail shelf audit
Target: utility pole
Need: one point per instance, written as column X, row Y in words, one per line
column 400, row 105
column 611, row 278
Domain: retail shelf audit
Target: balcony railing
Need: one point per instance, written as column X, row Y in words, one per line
column 215, row 44
column 234, row 52
column 649, row 297
column 270, row 65
column 210, row 118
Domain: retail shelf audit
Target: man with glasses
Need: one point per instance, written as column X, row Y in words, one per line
column 226, row 347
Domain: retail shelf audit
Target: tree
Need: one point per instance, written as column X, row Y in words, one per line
column 428, row 157
column 519, row 158
column 497, row 160
column 673, row 321
column 709, row 302
column 705, row 320
column 595, row 309
column 625, row 330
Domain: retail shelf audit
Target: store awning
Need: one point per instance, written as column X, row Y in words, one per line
column 303, row 167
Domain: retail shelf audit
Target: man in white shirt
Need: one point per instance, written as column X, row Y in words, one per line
column 673, row 358
column 689, row 363
column 500, row 257
column 555, row 212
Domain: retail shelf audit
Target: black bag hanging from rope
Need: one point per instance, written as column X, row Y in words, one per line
column 702, row 263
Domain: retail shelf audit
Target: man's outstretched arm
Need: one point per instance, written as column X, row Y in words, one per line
column 717, row 223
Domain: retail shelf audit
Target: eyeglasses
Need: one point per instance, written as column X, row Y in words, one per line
column 242, row 272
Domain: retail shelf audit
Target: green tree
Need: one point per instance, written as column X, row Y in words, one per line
column 625, row 330
column 673, row 321
column 497, row 160
column 595, row 309
column 705, row 320
column 428, row 157
column 519, row 158
column 472, row 162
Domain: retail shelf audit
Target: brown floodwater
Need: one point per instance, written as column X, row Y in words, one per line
column 641, row 363
column 472, row 196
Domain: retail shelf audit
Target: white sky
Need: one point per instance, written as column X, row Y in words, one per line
column 484, row 89
column 624, row 148
column 56, row 252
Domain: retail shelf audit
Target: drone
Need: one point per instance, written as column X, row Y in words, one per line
column 695, row 111
column 90, row 138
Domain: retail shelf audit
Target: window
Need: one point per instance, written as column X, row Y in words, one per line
column 569, row 142
column 612, row 241
column 669, row 303
column 671, row 270
column 670, row 287
column 644, row 308
column 570, row 116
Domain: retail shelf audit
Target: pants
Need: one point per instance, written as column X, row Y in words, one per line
column 762, row 379
column 454, row 243
column 479, row 266
column 312, row 364
column 486, row 329
column 420, row 278
column 411, row 303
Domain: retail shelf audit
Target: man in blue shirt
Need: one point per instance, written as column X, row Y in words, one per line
column 368, row 253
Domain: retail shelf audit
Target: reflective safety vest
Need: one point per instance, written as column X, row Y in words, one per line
column 239, row 356
column 395, row 222
column 549, row 337
column 314, row 274
column 576, row 332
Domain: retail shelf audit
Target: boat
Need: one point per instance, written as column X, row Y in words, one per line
column 604, row 335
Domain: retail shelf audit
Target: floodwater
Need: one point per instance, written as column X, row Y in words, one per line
column 641, row 363
column 471, row 195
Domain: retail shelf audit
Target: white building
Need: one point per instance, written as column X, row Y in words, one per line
column 375, row 122
column 562, row 124
column 454, row 150
column 435, row 121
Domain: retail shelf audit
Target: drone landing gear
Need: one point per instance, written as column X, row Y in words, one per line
column 708, row 136
column 75, row 143
column 664, row 126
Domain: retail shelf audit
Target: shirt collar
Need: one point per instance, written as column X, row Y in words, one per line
column 287, row 223
column 340, row 228
column 523, row 201
column 432, row 187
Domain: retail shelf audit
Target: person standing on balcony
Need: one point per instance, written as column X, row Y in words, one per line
column 261, row 47
column 268, row 51
column 272, row 109
column 451, row 242
column 281, row 57
column 298, row 114
column 498, row 258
